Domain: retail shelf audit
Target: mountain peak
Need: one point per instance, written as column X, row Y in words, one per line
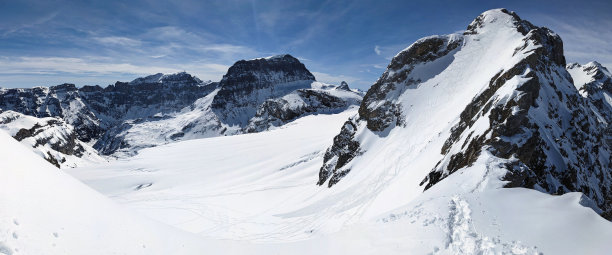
column 344, row 86
column 167, row 78
column 248, row 83
column 275, row 69
column 497, row 18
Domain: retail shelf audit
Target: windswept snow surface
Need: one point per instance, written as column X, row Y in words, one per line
column 261, row 188
column 45, row 211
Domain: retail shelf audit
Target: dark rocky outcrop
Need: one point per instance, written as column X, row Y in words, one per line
column 344, row 149
column 52, row 136
column 248, row 83
column 278, row 111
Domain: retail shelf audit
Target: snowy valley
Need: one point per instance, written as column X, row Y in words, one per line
column 483, row 141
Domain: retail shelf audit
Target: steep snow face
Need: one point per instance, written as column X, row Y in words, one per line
column 46, row 211
column 247, row 84
column 502, row 88
column 50, row 137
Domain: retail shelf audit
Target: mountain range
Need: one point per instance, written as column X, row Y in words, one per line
column 483, row 141
column 120, row 119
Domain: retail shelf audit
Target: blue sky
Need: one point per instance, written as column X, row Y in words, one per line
column 99, row 42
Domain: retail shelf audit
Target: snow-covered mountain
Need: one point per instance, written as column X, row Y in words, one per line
column 469, row 143
column 500, row 92
column 594, row 82
column 121, row 119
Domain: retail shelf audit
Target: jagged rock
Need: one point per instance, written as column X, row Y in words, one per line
column 344, row 86
column 248, row 83
column 344, row 149
column 51, row 137
column 377, row 108
column 278, row 111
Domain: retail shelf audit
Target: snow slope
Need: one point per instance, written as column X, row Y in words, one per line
column 46, row 211
column 258, row 187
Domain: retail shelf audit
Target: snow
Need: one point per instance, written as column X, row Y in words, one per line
column 261, row 188
column 46, row 211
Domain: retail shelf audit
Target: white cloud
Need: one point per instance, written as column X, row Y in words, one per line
column 171, row 39
column 377, row 50
column 31, row 71
column 118, row 40
column 50, row 65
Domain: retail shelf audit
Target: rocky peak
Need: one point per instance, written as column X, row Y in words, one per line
column 249, row 83
column 64, row 87
column 493, row 19
column 175, row 79
column 265, row 72
column 591, row 78
column 344, row 86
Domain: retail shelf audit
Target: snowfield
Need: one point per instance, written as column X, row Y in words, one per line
column 261, row 188
column 46, row 211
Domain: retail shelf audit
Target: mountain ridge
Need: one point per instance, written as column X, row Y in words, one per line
column 527, row 111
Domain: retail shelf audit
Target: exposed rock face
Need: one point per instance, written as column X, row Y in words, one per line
column 594, row 82
column 63, row 101
column 51, row 137
column 278, row 111
column 344, row 86
column 529, row 113
column 94, row 112
column 377, row 109
column 248, row 83
column 344, row 149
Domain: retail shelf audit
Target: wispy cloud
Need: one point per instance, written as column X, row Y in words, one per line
column 57, row 65
column 35, row 22
column 377, row 50
column 118, row 40
column 30, row 71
